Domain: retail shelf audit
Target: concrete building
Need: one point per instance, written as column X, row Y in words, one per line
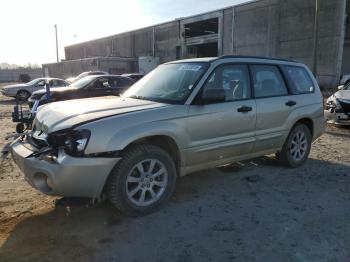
column 275, row 28
column 12, row 75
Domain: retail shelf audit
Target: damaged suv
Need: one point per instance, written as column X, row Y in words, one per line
column 184, row 116
column 338, row 106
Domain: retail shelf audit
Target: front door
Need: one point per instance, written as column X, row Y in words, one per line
column 223, row 130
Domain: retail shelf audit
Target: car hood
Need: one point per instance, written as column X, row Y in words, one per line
column 66, row 114
column 342, row 94
column 15, row 86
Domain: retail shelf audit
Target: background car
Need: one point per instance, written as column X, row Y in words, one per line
column 338, row 106
column 345, row 79
column 135, row 76
column 82, row 75
column 89, row 86
column 23, row 91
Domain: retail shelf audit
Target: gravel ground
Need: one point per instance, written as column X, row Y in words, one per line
column 249, row 211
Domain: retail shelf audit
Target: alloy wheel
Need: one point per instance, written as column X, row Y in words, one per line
column 299, row 146
column 146, row 182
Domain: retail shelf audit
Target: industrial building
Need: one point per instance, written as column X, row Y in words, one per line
column 292, row 29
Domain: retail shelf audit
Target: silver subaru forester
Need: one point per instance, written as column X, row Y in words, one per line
column 182, row 117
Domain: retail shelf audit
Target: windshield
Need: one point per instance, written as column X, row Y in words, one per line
column 169, row 83
column 34, row 81
column 83, row 82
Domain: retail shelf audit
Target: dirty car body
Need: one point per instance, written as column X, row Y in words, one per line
column 75, row 145
column 338, row 107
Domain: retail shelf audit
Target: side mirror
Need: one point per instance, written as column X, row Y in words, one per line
column 210, row 96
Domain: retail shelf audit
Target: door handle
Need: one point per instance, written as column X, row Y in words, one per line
column 244, row 109
column 291, row 103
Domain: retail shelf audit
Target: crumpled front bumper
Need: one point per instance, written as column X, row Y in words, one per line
column 337, row 118
column 63, row 175
column 338, row 115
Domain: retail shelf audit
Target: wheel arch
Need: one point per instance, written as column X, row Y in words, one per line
column 306, row 121
column 165, row 142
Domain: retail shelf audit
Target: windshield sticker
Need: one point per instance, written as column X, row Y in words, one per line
column 190, row 68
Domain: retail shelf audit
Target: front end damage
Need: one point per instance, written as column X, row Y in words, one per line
column 337, row 111
column 55, row 164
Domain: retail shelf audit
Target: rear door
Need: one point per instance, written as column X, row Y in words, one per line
column 226, row 129
column 273, row 104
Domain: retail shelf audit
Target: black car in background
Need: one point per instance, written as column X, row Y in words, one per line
column 135, row 76
column 71, row 80
column 89, row 86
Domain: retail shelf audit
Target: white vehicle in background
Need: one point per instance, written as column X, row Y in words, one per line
column 345, row 80
column 23, row 91
column 338, row 106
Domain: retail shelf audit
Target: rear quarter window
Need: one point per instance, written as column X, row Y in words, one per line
column 301, row 82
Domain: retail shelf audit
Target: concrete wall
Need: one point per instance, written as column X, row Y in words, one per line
column 285, row 29
column 166, row 41
column 12, row 75
column 276, row 28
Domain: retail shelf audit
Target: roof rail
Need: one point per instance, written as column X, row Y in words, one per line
column 257, row 57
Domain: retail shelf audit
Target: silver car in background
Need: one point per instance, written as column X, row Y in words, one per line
column 23, row 91
column 184, row 116
column 338, row 107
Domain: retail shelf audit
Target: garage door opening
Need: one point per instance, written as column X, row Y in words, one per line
column 346, row 51
column 202, row 28
column 202, row 50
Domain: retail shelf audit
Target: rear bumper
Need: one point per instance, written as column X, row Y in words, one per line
column 63, row 175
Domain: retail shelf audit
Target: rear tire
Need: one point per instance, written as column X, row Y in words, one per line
column 297, row 147
column 142, row 181
column 22, row 95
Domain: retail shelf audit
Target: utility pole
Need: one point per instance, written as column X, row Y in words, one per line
column 317, row 10
column 56, row 44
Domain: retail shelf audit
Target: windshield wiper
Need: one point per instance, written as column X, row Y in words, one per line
column 139, row 97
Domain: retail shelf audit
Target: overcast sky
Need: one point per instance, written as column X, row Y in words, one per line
column 27, row 26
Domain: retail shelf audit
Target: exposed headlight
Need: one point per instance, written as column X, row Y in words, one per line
column 76, row 142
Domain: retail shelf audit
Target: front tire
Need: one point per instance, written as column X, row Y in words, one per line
column 142, row 181
column 297, row 147
column 22, row 95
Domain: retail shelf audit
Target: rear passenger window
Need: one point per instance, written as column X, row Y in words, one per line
column 268, row 81
column 300, row 80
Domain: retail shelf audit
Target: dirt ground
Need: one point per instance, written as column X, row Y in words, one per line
column 250, row 211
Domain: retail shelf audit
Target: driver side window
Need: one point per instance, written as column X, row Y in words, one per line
column 40, row 83
column 101, row 83
column 233, row 79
